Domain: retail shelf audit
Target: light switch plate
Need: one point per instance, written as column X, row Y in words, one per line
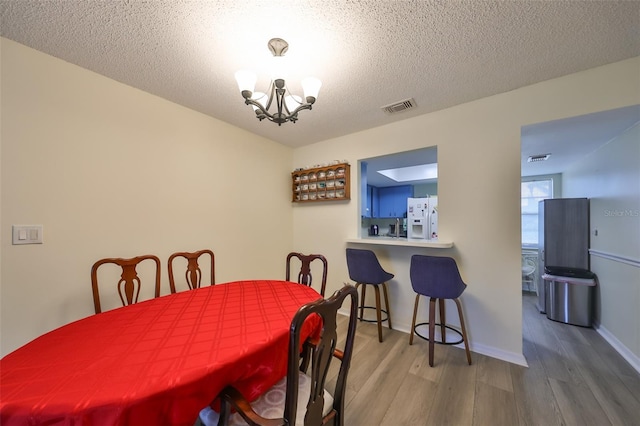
column 27, row 234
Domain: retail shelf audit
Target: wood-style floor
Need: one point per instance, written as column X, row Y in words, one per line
column 574, row 378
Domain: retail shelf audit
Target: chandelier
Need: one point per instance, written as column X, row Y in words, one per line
column 287, row 105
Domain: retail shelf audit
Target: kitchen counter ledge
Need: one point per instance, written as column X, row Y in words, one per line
column 404, row 242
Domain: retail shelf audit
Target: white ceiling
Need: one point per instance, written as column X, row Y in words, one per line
column 416, row 157
column 368, row 54
column 571, row 139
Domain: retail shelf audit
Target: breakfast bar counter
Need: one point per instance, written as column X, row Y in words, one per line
column 400, row 241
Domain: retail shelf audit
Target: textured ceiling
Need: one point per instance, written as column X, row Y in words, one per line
column 368, row 54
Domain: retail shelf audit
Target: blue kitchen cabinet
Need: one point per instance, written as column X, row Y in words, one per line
column 370, row 203
column 393, row 200
column 365, row 208
column 374, row 201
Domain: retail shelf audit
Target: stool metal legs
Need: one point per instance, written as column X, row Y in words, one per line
column 378, row 307
column 432, row 326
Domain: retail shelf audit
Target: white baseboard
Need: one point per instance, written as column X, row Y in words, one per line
column 512, row 357
column 629, row 356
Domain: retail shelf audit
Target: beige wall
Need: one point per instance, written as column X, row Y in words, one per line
column 478, row 194
column 111, row 171
column 610, row 177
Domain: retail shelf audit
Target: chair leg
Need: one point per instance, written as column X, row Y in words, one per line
column 443, row 329
column 432, row 328
column 225, row 412
column 378, row 313
column 464, row 330
column 386, row 302
column 413, row 323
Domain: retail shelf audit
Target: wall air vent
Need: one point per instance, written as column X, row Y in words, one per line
column 536, row 158
column 399, row 106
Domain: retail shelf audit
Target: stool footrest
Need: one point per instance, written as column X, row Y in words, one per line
column 384, row 318
column 415, row 329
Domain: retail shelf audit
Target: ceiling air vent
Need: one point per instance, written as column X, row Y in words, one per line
column 399, row 106
column 535, row 158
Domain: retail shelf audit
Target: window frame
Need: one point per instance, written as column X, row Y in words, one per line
column 552, row 179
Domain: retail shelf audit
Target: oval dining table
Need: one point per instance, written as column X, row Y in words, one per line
column 157, row 362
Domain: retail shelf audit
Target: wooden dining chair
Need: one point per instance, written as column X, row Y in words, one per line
column 300, row 398
column 304, row 275
column 193, row 273
column 129, row 283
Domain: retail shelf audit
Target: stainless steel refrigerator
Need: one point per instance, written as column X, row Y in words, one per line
column 563, row 238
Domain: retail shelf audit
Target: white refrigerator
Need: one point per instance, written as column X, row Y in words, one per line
column 422, row 218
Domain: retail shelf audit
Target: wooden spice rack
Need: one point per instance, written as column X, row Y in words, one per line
column 330, row 183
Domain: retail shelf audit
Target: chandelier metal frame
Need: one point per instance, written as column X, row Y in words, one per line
column 278, row 92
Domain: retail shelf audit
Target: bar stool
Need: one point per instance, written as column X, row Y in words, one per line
column 365, row 270
column 437, row 278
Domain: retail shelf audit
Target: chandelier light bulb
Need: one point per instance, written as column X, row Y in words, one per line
column 311, row 87
column 260, row 98
column 292, row 102
column 279, row 68
column 246, row 80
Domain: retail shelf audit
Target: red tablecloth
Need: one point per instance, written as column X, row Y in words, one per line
column 158, row 362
